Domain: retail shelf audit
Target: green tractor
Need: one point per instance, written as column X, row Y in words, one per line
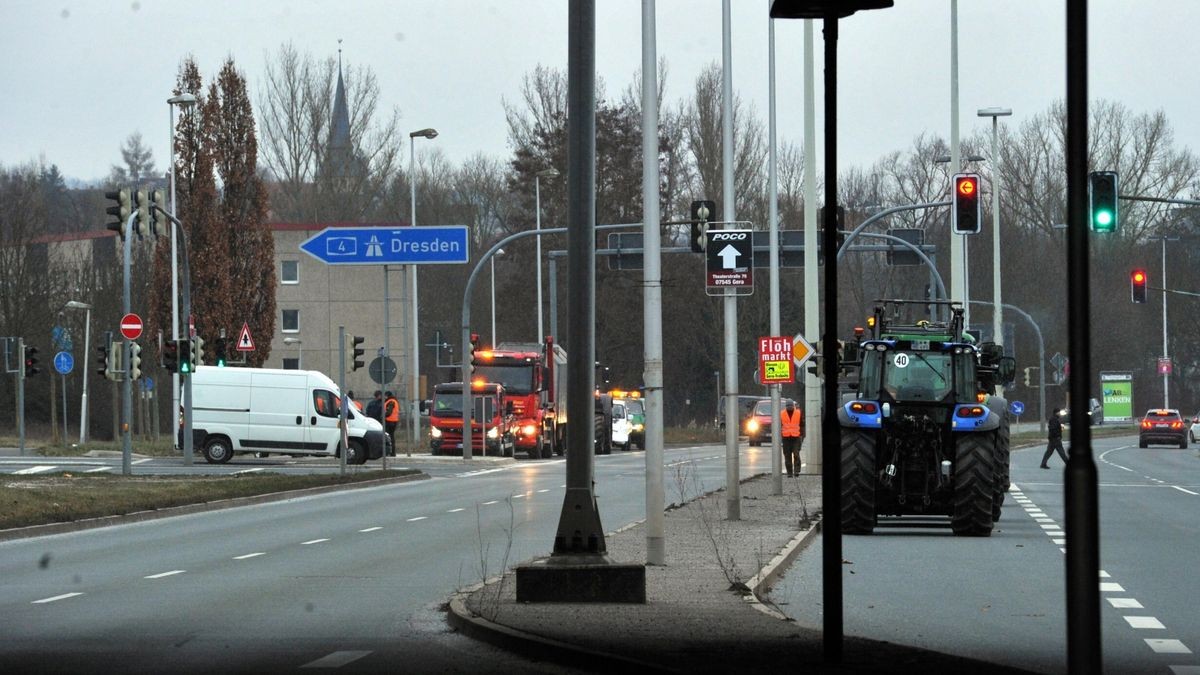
column 923, row 431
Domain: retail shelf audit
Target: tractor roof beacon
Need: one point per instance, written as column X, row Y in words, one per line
column 923, row 429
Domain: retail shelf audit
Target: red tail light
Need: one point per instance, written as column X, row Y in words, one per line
column 1176, row 425
column 862, row 407
column 1145, row 424
column 973, row 411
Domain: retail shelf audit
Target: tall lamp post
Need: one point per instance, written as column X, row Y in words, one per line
column 537, row 192
column 83, row 403
column 997, row 306
column 296, row 341
column 499, row 252
column 1165, row 366
column 966, row 267
column 184, row 100
column 415, row 395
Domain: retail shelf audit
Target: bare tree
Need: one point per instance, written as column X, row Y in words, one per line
column 138, row 161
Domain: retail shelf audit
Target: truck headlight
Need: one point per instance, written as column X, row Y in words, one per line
column 639, row 427
column 435, row 432
column 529, row 429
column 751, row 426
column 494, row 433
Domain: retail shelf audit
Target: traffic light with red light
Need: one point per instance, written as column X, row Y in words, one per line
column 30, row 361
column 1137, row 286
column 170, row 356
column 965, row 212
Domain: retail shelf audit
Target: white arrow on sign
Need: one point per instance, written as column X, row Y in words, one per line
column 728, row 256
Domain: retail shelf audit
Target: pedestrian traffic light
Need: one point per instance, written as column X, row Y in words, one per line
column 702, row 211
column 356, row 352
column 29, row 361
column 1103, row 201
column 221, row 351
column 170, row 356
column 197, row 350
column 1137, row 286
column 121, row 208
column 965, row 214
column 103, row 353
column 141, row 202
column 184, row 349
column 158, row 213
column 135, row 360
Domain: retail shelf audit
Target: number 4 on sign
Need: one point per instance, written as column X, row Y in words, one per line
column 245, row 343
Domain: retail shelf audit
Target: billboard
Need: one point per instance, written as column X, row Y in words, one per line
column 1117, row 396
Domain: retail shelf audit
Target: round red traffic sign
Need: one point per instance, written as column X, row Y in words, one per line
column 131, row 326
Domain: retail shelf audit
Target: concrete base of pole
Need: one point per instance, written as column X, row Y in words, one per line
column 580, row 578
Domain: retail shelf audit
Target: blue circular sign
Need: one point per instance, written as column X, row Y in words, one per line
column 64, row 362
column 1016, row 407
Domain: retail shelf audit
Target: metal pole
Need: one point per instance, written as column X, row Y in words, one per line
column 773, row 232
column 537, row 207
column 812, row 302
column 493, row 261
column 958, row 244
column 1081, row 491
column 733, row 497
column 174, row 276
column 127, row 381
column 64, row 406
column 997, row 303
column 553, row 297
column 1166, row 358
column 21, row 395
column 345, row 441
column 652, row 375
column 83, row 403
column 415, row 391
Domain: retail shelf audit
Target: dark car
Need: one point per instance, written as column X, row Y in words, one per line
column 1095, row 413
column 1162, row 426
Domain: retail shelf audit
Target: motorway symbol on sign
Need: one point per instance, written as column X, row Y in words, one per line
column 64, row 363
column 131, row 326
column 382, row 370
column 729, row 255
column 387, row 245
column 801, row 350
column 245, row 343
column 1016, row 407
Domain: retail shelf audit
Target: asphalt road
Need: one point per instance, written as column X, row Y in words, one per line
column 351, row 579
column 1002, row 598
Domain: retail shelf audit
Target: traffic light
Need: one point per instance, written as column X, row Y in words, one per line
column 702, row 211
column 1137, row 286
column 105, row 366
column 141, row 202
column 1030, row 375
column 356, row 352
column 170, row 356
column 965, row 215
column 113, row 361
column 135, row 360
column 221, row 351
column 1103, row 201
column 471, row 354
column 839, row 226
column 158, row 215
column 121, row 208
column 29, row 361
column 184, row 350
column 197, row 350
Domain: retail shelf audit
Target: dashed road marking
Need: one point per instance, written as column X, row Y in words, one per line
column 1105, row 575
column 245, row 471
column 544, row 490
column 1144, row 622
column 160, row 575
column 1111, row 587
column 413, row 520
column 249, row 555
column 1125, row 603
column 519, row 496
column 455, row 510
column 56, row 598
column 1060, row 542
column 491, row 502
column 1185, row 670
column 1168, row 646
column 34, row 469
column 371, row 529
column 99, row 469
column 142, row 461
column 336, row 659
column 312, row 541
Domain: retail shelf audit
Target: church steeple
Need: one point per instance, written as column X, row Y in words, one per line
column 340, row 150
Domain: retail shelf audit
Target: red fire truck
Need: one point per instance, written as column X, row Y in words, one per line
column 534, row 378
column 490, row 422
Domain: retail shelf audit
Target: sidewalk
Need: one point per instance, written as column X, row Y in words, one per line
column 693, row 620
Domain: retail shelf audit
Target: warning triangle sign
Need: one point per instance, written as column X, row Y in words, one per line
column 245, row 343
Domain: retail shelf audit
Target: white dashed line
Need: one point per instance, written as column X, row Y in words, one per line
column 1185, row 670
column 1186, row 490
column 336, row 659
column 34, row 469
column 1144, row 622
column 1060, row 542
column 99, row 469
column 371, row 529
column 1125, row 603
column 545, row 490
column 1044, row 520
column 56, row 598
column 312, row 541
column 141, row 461
column 454, row 510
column 249, row 555
column 160, row 575
column 1111, row 587
column 244, row 471
column 520, row 496
column 1105, row 575
column 1168, row 646
column 491, row 502
column 413, row 520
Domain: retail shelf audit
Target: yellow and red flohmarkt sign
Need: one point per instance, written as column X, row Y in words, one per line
column 775, row 360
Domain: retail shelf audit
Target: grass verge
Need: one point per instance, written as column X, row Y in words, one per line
column 65, row 497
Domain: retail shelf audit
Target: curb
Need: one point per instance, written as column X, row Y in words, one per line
column 766, row 577
column 185, row 509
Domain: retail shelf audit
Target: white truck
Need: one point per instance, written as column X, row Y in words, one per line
column 265, row 411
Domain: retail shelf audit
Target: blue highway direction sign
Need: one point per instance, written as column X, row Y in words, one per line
column 390, row 245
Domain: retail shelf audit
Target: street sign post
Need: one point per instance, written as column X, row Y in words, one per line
column 775, row 360
column 729, row 255
column 131, row 326
column 1016, row 408
column 384, row 245
column 382, row 370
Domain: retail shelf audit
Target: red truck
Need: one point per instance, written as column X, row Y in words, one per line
column 490, row 423
column 534, row 378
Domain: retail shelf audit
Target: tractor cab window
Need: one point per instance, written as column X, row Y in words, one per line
column 918, row 375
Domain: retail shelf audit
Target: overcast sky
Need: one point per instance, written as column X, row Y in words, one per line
column 77, row 77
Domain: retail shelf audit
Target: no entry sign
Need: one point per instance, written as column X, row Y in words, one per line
column 131, row 326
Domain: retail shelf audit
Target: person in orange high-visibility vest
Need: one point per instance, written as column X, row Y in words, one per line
column 391, row 412
column 792, row 430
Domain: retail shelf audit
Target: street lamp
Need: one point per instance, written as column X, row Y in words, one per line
column 87, row 325
column 537, row 191
column 966, row 284
column 415, row 396
column 997, row 307
column 1165, row 365
column 186, row 101
column 296, row 341
column 498, row 252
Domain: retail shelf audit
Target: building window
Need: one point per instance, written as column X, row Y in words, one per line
column 291, row 364
column 291, row 321
column 290, row 272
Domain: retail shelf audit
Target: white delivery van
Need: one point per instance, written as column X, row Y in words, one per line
column 266, row 410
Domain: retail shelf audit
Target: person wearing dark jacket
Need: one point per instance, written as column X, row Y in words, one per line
column 1054, row 438
column 375, row 407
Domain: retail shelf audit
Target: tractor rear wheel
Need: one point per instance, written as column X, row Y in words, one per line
column 858, row 482
column 974, row 485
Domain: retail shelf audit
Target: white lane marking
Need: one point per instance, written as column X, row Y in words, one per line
column 480, row 472
column 1044, row 519
column 1051, row 526
column 1111, row 587
column 312, row 541
column 491, row 502
column 56, row 598
column 254, row 470
column 1168, row 646
column 1060, row 542
column 454, row 510
column 34, row 469
column 413, row 520
column 336, row 659
column 99, row 469
column 141, row 461
column 371, row 529
column 565, row 485
column 160, row 575
column 520, row 496
column 1186, row 490
column 1105, row 575
column 545, row 490
column 1062, row 550
column 1185, row 670
column 249, row 555
column 1125, row 603
column 1144, row 622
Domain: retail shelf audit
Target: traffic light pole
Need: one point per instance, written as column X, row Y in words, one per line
column 188, row 441
column 21, row 395
column 127, row 384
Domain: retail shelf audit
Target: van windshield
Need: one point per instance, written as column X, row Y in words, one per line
column 451, row 406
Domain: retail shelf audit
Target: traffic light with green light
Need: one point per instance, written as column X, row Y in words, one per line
column 184, row 350
column 1105, row 214
column 221, row 351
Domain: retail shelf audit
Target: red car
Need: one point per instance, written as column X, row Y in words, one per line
column 758, row 425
